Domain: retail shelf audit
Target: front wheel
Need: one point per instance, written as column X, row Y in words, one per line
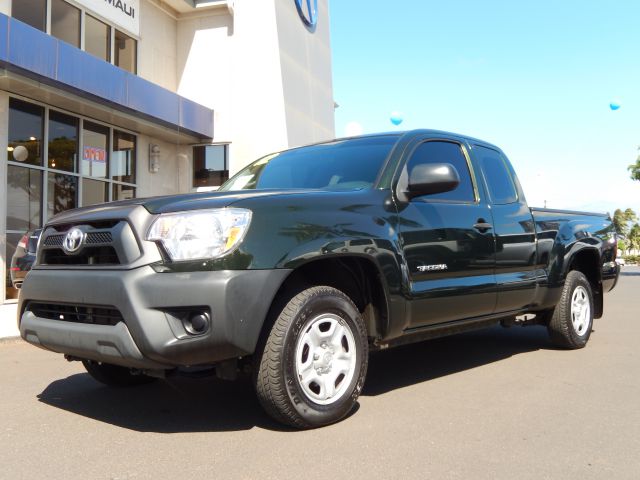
column 314, row 361
column 572, row 319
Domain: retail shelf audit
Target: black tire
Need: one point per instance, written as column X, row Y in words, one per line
column 115, row 376
column 279, row 387
column 562, row 329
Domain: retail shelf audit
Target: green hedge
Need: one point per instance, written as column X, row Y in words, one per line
column 632, row 258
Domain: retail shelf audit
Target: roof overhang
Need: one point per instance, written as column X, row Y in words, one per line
column 42, row 67
column 186, row 6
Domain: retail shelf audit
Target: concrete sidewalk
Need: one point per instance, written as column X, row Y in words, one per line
column 8, row 322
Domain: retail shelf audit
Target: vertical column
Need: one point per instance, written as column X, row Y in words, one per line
column 5, row 7
column 4, row 142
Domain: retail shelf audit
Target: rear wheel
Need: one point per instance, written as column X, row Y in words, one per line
column 314, row 361
column 115, row 376
column 572, row 319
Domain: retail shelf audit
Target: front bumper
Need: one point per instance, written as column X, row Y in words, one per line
column 151, row 336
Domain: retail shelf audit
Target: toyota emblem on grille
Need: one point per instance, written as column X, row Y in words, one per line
column 73, row 240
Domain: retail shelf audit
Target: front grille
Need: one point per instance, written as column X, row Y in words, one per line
column 54, row 241
column 87, row 256
column 93, row 238
column 90, row 314
column 106, row 243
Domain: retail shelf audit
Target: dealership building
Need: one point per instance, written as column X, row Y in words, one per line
column 104, row 100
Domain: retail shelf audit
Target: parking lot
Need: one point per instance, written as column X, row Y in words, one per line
column 500, row 403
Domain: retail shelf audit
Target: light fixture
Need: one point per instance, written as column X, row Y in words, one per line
column 20, row 153
column 33, row 139
column 154, row 158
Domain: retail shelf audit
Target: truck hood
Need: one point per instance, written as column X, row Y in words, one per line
column 178, row 203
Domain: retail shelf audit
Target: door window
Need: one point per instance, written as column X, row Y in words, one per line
column 445, row 152
column 499, row 181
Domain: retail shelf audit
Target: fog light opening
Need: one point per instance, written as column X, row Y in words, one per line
column 197, row 323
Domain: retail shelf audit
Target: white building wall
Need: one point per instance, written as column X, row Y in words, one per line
column 305, row 60
column 174, row 174
column 157, row 55
column 258, row 116
column 205, row 53
column 5, row 7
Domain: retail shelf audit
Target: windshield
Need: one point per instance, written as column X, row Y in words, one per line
column 341, row 165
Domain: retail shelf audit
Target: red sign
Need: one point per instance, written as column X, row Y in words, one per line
column 94, row 154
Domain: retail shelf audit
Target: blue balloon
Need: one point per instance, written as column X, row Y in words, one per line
column 614, row 106
column 396, row 118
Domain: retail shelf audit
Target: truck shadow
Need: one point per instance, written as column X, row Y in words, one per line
column 210, row 405
column 420, row 362
column 174, row 405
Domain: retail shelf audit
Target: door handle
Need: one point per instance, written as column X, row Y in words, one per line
column 482, row 226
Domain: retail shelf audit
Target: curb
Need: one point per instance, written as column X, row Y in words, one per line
column 8, row 340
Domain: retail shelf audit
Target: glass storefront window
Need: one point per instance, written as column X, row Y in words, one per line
column 210, row 167
column 31, row 12
column 24, row 196
column 125, row 52
column 65, row 22
column 73, row 177
column 95, row 150
column 26, row 123
column 97, row 38
column 61, row 192
column 63, row 141
column 123, row 160
column 123, row 192
column 94, row 191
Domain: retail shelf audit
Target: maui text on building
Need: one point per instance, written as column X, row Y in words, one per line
column 104, row 100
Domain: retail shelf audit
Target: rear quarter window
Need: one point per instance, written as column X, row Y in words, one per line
column 501, row 187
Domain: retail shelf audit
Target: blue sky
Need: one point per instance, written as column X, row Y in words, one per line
column 535, row 78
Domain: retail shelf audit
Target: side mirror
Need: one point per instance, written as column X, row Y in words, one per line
column 432, row 178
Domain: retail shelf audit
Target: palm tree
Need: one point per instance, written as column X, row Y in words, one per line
column 634, row 237
column 621, row 220
column 635, row 168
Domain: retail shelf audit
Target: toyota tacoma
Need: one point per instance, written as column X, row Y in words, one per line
column 307, row 260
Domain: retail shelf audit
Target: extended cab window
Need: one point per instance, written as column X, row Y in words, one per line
column 445, row 152
column 499, row 181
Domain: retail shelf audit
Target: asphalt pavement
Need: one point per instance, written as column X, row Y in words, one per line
column 499, row 403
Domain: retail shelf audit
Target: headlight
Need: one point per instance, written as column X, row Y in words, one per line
column 200, row 234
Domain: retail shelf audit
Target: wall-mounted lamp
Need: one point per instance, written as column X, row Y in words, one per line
column 20, row 153
column 154, row 158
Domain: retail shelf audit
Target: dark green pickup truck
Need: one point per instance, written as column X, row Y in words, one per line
column 307, row 260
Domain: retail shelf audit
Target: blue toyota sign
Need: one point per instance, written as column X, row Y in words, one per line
column 308, row 11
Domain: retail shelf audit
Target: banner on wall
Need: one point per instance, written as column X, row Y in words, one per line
column 123, row 13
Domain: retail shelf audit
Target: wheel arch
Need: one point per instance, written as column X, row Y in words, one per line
column 357, row 276
column 587, row 261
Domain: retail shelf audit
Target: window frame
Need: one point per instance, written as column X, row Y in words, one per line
column 465, row 153
column 193, row 163
column 84, row 11
column 46, row 170
column 83, row 35
column 510, row 176
column 46, row 15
